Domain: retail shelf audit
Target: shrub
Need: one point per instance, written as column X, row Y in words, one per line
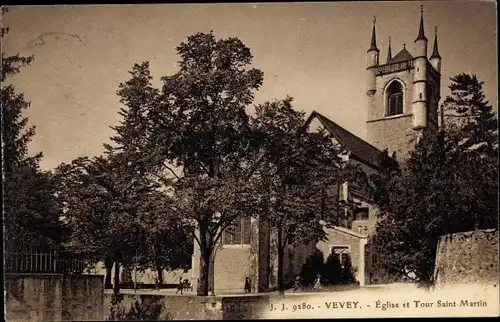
column 312, row 267
column 332, row 271
column 148, row 310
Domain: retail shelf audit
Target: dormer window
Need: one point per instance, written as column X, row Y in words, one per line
column 395, row 99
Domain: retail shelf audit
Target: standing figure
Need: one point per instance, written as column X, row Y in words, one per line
column 157, row 284
column 248, row 286
column 317, row 282
column 180, row 286
column 296, row 284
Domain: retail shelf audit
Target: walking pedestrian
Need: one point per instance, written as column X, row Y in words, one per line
column 180, row 286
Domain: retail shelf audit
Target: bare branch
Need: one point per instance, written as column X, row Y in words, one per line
column 172, row 171
column 196, row 238
column 221, row 227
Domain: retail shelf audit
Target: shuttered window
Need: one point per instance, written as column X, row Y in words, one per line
column 394, row 99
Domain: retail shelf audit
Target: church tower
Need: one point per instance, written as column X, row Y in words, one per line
column 403, row 94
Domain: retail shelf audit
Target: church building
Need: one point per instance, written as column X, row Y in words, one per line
column 403, row 96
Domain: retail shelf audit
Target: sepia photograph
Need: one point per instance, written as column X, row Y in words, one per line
column 275, row 160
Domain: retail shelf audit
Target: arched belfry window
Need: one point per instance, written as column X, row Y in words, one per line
column 394, row 98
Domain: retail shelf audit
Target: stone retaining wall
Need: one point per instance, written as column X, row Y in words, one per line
column 468, row 258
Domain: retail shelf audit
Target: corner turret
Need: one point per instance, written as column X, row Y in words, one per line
column 419, row 103
column 389, row 52
column 435, row 58
column 372, row 62
column 421, row 41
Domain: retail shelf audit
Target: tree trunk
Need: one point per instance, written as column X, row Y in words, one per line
column 204, row 273
column 159, row 270
column 281, row 255
column 116, row 287
column 108, row 263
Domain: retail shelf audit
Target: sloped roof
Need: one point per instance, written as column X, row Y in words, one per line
column 358, row 147
column 403, row 55
column 435, row 50
column 344, row 230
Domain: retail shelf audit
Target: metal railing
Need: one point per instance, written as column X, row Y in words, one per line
column 48, row 262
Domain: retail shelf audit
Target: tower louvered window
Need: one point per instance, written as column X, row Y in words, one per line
column 395, row 99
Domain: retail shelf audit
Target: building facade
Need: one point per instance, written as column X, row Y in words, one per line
column 403, row 94
column 402, row 107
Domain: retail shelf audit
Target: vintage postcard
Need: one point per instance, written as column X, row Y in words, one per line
column 281, row 160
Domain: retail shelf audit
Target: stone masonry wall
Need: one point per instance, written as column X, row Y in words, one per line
column 232, row 264
column 190, row 307
column 53, row 297
column 391, row 132
column 395, row 133
column 468, row 258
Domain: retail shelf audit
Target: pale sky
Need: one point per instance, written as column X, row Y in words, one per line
column 315, row 52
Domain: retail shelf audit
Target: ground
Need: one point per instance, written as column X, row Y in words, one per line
column 368, row 288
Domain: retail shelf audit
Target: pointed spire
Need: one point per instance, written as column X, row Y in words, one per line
column 374, row 38
column 421, row 34
column 389, row 52
column 435, row 51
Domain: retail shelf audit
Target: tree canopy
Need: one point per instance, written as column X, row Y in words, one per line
column 117, row 209
column 299, row 171
column 468, row 112
column 31, row 211
column 199, row 134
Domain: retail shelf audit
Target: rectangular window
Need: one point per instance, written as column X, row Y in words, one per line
column 374, row 259
column 237, row 232
column 342, row 253
column 240, row 233
column 361, row 213
column 228, row 235
column 343, row 258
column 247, row 231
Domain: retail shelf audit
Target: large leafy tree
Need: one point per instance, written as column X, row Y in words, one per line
column 113, row 183
column 126, row 149
column 31, row 211
column 103, row 222
column 299, row 171
column 200, row 134
column 114, row 204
